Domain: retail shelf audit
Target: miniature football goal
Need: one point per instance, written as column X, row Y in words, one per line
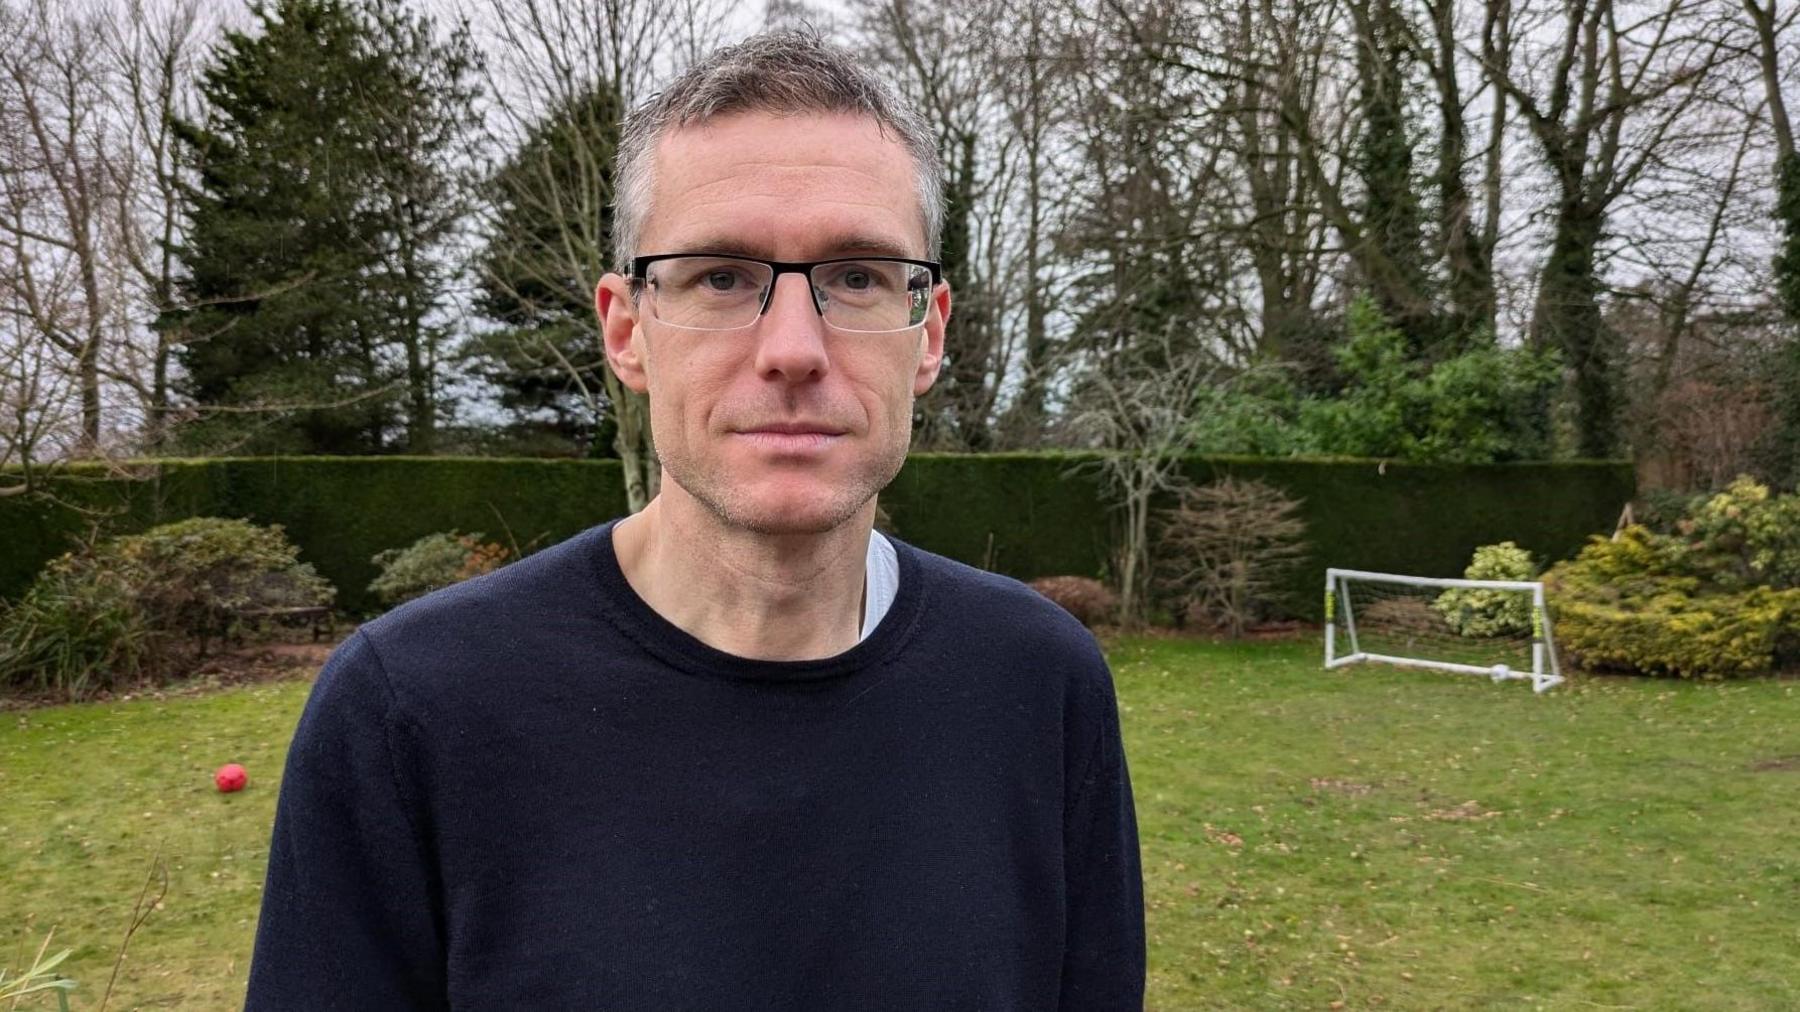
column 1497, row 628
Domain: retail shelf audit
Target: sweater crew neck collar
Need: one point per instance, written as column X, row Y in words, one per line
column 642, row 623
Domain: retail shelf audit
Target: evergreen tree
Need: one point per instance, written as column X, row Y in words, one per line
column 944, row 414
column 421, row 108
column 321, row 184
column 549, row 235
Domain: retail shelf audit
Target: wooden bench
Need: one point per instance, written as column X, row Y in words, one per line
column 319, row 619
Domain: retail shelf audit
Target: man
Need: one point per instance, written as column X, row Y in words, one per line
column 736, row 751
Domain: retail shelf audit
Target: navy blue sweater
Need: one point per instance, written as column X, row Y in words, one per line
column 532, row 791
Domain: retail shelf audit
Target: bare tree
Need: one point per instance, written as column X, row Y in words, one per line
column 55, row 195
column 39, row 413
column 1768, row 25
column 574, row 67
column 991, row 97
column 1605, row 88
column 1465, row 239
column 1275, row 56
column 1139, row 414
column 152, row 59
column 1033, row 83
column 1686, row 276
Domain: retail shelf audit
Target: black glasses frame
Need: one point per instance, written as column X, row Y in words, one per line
column 640, row 267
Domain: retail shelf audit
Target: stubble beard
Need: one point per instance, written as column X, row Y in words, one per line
column 714, row 490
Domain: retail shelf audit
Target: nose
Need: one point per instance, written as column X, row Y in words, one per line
column 790, row 339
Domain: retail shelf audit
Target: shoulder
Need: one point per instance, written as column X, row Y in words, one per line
column 1001, row 610
column 489, row 622
column 528, row 584
column 1024, row 647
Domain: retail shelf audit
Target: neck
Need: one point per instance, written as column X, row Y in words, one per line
column 766, row 597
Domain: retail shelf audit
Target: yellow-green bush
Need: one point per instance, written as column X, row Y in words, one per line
column 1745, row 536
column 1480, row 611
column 1632, row 605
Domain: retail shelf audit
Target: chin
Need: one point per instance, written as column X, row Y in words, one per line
column 789, row 513
column 783, row 501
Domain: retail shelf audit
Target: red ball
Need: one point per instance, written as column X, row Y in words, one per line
column 231, row 777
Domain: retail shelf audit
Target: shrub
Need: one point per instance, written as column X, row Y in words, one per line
column 129, row 606
column 1090, row 601
column 1633, row 604
column 77, row 630
column 1482, row 611
column 432, row 562
column 192, row 577
column 1224, row 551
column 1744, row 536
column 1483, row 405
column 1661, row 509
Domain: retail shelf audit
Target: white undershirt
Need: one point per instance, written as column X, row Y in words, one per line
column 881, row 581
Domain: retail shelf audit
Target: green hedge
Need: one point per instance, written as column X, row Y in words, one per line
column 1046, row 515
column 339, row 510
column 1026, row 514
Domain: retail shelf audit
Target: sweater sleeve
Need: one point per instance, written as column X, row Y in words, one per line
column 1103, row 961
column 350, row 915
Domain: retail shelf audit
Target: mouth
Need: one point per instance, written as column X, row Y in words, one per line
column 790, row 437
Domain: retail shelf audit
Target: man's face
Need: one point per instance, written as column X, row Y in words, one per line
column 787, row 426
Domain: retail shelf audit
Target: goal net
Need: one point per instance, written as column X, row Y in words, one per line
column 1497, row 628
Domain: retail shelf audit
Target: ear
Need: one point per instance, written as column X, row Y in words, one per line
column 936, row 318
column 620, row 332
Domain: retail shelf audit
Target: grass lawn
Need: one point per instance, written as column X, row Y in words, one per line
column 1376, row 838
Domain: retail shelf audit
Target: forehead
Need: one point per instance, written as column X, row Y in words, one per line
column 791, row 187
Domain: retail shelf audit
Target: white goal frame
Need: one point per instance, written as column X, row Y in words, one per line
column 1544, row 674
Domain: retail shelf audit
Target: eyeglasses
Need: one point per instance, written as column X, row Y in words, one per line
column 867, row 295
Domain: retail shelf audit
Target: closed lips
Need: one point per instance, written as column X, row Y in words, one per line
column 795, row 429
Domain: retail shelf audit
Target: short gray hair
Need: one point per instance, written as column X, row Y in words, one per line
column 776, row 72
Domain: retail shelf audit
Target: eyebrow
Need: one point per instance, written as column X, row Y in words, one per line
column 844, row 244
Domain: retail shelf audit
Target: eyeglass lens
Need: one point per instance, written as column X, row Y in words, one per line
column 721, row 293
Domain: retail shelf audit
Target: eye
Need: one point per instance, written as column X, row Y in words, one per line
column 721, row 280
column 857, row 280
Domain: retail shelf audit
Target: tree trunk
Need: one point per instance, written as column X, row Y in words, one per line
column 1497, row 53
column 1567, row 316
column 1136, row 552
column 90, row 397
column 635, row 442
column 1390, row 220
column 1470, row 283
column 421, row 415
